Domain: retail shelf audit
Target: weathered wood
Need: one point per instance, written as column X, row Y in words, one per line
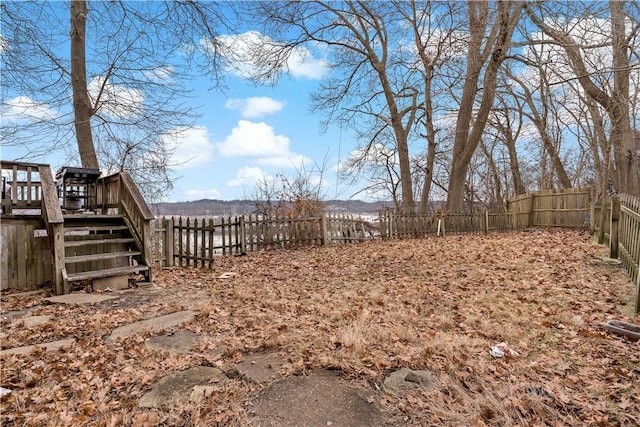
column 93, row 257
column 119, row 271
column 83, row 242
column 169, row 242
column 613, row 228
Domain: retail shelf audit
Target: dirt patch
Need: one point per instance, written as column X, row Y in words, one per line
column 318, row 399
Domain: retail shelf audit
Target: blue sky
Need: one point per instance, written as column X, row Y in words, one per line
column 250, row 132
column 244, row 134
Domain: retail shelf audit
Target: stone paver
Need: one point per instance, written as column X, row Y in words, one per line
column 154, row 324
column 408, row 379
column 178, row 342
column 54, row 345
column 260, row 367
column 320, row 399
column 193, row 384
column 32, row 321
column 80, row 299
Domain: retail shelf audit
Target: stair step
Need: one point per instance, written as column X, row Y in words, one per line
column 119, row 271
column 98, row 257
column 96, row 228
column 92, row 220
column 78, row 243
column 82, row 217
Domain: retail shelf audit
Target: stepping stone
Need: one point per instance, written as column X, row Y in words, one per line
column 320, row 399
column 408, row 379
column 260, row 367
column 194, row 384
column 32, row 321
column 151, row 325
column 79, row 299
column 178, row 342
column 49, row 346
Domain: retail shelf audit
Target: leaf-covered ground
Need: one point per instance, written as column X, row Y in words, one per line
column 436, row 304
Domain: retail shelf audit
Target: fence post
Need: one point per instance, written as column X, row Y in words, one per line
column 486, row 222
column 530, row 220
column 323, row 229
column 243, row 236
column 168, row 242
column 613, row 229
column 592, row 217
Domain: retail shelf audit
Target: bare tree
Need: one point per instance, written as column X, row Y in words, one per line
column 614, row 100
column 507, row 120
column 125, row 72
column 370, row 81
column 489, row 40
column 540, row 112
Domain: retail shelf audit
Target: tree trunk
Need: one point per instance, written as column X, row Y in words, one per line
column 81, row 103
column 431, row 144
column 468, row 135
column 625, row 148
column 514, row 165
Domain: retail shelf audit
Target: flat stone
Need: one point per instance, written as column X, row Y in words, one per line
column 201, row 392
column 49, row 346
column 178, row 387
column 32, row 321
column 260, row 367
column 79, row 299
column 151, row 325
column 320, row 399
column 408, row 379
column 178, row 342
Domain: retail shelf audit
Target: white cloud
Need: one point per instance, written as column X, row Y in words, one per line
column 302, row 64
column 194, row 194
column 25, row 108
column 4, row 44
column 190, row 147
column 255, row 107
column 291, row 160
column 248, row 176
column 259, row 141
column 116, row 100
column 251, row 54
column 249, row 139
column 160, row 74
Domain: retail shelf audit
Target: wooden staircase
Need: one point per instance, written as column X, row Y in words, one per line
column 100, row 246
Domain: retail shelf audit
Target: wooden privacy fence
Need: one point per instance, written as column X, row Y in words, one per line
column 616, row 221
column 550, row 208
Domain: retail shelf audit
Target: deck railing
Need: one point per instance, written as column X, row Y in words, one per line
column 29, row 187
column 119, row 193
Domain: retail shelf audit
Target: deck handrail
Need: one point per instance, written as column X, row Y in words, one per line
column 120, row 191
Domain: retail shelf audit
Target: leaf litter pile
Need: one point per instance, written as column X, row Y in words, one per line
column 365, row 310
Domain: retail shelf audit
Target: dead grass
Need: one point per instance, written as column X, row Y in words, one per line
column 434, row 304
